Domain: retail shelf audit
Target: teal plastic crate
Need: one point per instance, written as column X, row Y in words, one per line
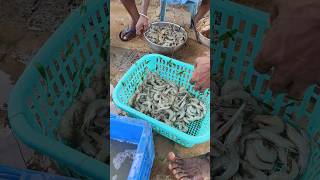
column 236, row 56
column 169, row 69
column 36, row 105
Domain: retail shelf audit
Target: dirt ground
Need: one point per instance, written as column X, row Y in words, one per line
column 25, row 25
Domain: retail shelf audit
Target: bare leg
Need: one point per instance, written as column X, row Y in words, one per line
column 203, row 9
column 131, row 7
column 197, row 168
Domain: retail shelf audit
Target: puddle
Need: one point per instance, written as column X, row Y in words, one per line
column 122, row 155
column 6, row 85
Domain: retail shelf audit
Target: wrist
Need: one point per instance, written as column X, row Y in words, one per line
column 143, row 11
column 144, row 16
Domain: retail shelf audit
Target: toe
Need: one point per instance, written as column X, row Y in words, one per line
column 181, row 176
column 173, row 166
column 177, row 171
column 171, row 156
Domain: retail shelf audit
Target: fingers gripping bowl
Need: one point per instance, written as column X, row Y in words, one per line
column 165, row 37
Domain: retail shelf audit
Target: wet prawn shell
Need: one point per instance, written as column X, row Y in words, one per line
column 168, row 103
column 166, row 34
column 269, row 148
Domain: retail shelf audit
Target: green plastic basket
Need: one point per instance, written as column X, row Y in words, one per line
column 39, row 100
column 177, row 72
column 236, row 55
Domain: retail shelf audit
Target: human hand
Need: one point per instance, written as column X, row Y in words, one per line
column 201, row 74
column 291, row 47
column 141, row 25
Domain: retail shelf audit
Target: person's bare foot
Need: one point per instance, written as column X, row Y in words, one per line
column 196, row 168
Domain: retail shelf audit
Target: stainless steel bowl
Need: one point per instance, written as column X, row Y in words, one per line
column 163, row 49
column 204, row 40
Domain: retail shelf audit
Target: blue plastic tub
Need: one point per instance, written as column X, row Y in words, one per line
column 177, row 72
column 135, row 131
column 25, row 174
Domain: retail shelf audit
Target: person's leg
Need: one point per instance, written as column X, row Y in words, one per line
column 131, row 7
column 203, row 9
column 197, row 168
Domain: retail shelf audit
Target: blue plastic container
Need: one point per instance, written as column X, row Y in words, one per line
column 177, row 72
column 25, row 174
column 236, row 55
column 135, row 131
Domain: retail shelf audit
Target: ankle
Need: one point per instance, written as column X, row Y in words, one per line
column 134, row 22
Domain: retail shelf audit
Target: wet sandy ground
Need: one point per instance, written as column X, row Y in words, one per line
column 23, row 30
column 17, row 46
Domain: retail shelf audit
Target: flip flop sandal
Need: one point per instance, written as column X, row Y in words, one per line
column 130, row 33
